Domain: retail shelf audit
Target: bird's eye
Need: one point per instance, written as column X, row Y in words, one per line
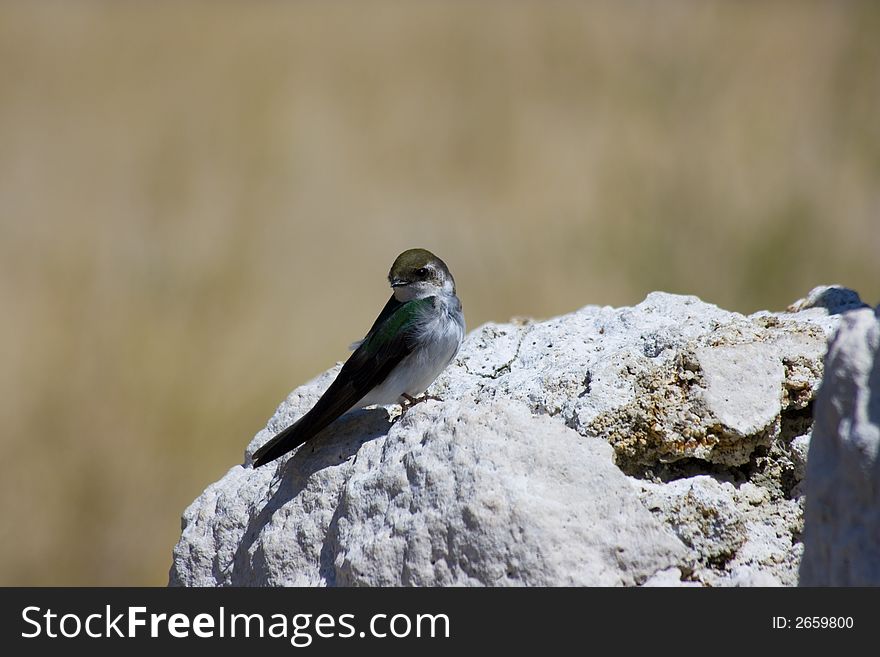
column 422, row 272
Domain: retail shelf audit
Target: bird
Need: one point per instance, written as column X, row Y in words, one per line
column 414, row 338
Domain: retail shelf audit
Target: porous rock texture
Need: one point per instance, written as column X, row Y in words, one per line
column 662, row 444
column 842, row 532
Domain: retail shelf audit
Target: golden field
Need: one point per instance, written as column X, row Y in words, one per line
column 199, row 203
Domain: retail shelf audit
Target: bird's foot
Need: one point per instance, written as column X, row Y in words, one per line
column 410, row 401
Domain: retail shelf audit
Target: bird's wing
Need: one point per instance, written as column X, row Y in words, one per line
column 392, row 305
column 387, row 343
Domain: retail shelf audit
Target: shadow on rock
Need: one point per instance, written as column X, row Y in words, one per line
column 332, row 447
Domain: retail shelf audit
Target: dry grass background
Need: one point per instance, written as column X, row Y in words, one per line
column 185, row 187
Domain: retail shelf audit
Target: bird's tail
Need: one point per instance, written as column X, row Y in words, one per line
column 286, row 440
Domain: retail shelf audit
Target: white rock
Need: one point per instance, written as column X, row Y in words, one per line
column 842, row 521
column 485, row 488
column 702, row 513
column 742, row 385
column 832, row 298
column 452, row 495
column 749, row 576
column 800, row 447
column 671, row 577
column 672, row 378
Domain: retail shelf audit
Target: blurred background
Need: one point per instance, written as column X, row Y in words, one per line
column 185, row 187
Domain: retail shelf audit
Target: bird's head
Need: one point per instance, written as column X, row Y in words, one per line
column 418, row 273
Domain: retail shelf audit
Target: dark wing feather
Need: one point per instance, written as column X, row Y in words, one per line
column 386, row 344
column 389, row 309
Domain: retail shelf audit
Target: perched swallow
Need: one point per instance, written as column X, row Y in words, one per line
column 415, row 337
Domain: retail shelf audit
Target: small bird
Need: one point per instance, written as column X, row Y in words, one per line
column 415, row 337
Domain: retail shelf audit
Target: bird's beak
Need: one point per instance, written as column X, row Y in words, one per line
column 398, row 282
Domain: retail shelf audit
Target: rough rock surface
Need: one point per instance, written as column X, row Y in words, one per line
column 842, row 532
column 707, row 414
column 452, row 495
